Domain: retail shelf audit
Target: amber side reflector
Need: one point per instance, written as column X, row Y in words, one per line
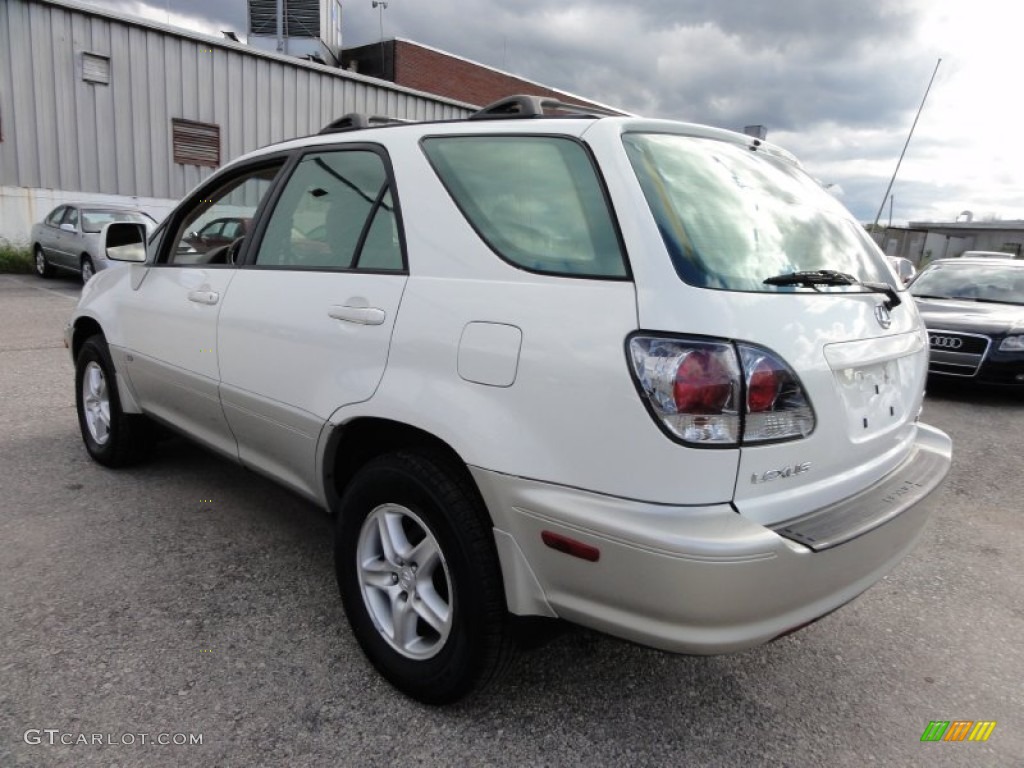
column 571, row 546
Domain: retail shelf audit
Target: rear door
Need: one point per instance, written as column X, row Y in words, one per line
column 729, row 215
column 307, row 324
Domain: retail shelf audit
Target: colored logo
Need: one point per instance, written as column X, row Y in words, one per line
column 958, row 730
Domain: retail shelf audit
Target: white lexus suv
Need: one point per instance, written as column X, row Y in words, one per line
column 643, row 376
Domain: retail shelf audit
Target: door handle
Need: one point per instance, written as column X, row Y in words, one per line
column 360, row 315
column 203, row 297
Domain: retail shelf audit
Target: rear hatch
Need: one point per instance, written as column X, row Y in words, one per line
column 848, row 362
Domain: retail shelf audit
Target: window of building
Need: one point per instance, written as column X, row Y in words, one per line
column 195, row 143
column 96, row 68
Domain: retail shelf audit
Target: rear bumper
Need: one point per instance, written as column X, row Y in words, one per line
column 702, row 579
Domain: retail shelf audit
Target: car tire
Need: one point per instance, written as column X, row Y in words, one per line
column 112, row 437
column 88, row 270
column 419, row 577
column 43, row 268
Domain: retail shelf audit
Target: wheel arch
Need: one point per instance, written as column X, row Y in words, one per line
column 350, row 445
column 84, row 328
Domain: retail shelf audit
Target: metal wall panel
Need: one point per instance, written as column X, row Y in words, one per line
column 62, row 132
column 8, row 160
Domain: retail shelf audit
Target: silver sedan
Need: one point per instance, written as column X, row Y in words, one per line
column 71, row 239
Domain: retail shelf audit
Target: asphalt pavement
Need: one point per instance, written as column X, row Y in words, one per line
column 189, row 598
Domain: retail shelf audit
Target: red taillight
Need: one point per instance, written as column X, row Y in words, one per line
column 763, row 388
column 702, row 385
column 714, row 392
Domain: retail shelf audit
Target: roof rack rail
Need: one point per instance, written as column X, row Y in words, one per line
column 527, row 106
column 356, row 121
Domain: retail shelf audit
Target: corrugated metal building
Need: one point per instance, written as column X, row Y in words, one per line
column 99, row 107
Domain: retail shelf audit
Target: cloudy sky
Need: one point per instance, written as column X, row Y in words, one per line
column 837, row 82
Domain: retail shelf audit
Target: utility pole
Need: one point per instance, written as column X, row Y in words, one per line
column 381, row 5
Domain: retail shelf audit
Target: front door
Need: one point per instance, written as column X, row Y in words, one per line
column 170, row 319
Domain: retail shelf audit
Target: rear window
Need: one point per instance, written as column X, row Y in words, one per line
column 731, row 217
column 93, row 221
column 535, row 200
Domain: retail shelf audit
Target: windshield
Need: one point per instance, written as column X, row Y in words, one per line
column 731, row 217
column 973, row 282
column 93, row 221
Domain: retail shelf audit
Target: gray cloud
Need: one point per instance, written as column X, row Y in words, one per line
column 833, row 80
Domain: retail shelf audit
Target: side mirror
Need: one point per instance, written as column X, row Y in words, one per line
column 125, row 241
column 67, row 227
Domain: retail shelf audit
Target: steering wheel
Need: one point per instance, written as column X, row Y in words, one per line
column 231, row 255
column 224, row 254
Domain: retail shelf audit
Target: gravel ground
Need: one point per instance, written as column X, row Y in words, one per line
column 188, row 596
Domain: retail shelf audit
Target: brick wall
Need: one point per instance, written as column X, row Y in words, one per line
column 435, row 72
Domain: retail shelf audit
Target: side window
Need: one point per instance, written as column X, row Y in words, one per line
column 56, row 215
column 71, row 217
column 336, row 212
column 213, row 228
column 233, row 228
column 201, row 239
column 535, row 200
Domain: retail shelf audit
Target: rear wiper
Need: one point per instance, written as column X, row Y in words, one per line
column 818, row 277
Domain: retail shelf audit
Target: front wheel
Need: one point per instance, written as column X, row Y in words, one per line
column 112, row 437
column 419, row 577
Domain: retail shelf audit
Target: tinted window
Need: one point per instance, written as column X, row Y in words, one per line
column 535, row 200
column 236, row 200
column 335, row 212
column 731, row 217
column 991, row 282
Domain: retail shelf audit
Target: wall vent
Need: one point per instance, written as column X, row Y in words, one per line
column 195, row 143
column 96, row 68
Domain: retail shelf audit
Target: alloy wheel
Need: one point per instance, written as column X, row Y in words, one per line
column 96, row 403
column 405, row 582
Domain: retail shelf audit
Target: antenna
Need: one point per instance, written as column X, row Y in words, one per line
column 874, row 225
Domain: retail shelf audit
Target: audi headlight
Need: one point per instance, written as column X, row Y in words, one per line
column 1012, row 344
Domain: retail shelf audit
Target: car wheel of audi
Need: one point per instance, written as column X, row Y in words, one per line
column 43, row 267
column 419, row 577
column 112, row 437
